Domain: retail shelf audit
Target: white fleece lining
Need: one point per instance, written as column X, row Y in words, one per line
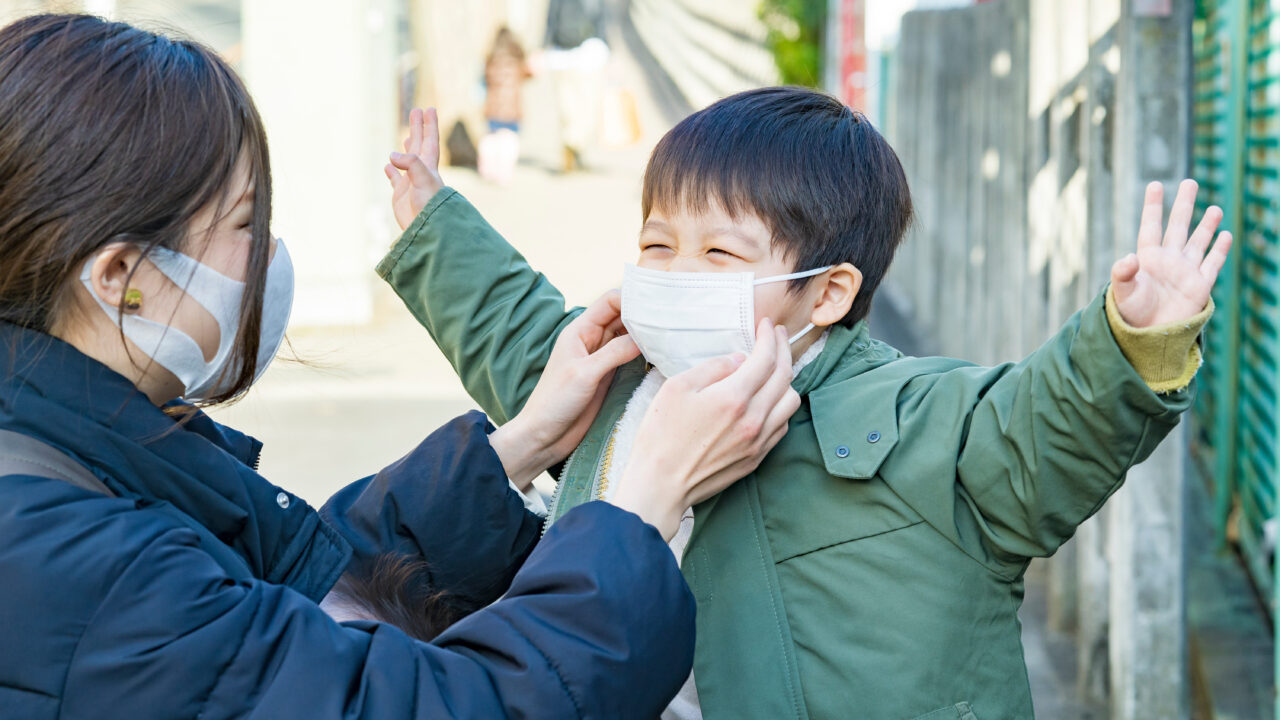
column 624, row 437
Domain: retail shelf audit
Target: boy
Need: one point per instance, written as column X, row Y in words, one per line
column 872, row 565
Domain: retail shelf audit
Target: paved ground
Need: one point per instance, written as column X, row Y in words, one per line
column 368, row 394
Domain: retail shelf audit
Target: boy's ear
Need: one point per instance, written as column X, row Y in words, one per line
column 836, row 298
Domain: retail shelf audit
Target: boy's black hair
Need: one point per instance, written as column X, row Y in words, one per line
column 823, row 180
column 396, row 589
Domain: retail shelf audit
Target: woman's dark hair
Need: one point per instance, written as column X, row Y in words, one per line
column 825, row 183
column 112, row 133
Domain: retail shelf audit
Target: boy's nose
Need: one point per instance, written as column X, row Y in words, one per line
column 685, row 263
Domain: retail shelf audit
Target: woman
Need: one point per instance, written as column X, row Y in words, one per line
column 150, row 572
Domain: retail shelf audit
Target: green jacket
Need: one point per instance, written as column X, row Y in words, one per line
column 872, row 566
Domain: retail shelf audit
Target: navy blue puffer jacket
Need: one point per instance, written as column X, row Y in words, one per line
column 116, row 607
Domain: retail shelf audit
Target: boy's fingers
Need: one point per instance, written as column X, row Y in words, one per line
column 1124, row 269
column 1152, row 213
column 430, row 150
column 1184, row 204
column 1216, row 258
column 419, row 175
column 415, row 132
column 392, row 174
column 1200, row 239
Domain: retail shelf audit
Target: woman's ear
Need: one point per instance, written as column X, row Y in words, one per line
column 111, row 272
column 836, row 298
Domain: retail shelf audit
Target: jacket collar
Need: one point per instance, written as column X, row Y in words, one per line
column 849, row 351
column 51, row 391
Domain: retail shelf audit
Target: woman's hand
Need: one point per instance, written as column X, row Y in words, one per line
column 707, row 428
column 415, row 173
column 1169, row 279
column 569, row 393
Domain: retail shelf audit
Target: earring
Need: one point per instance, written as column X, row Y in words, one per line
column 133, row 300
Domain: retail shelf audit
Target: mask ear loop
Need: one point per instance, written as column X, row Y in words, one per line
column 796, row 276
column 792, row 340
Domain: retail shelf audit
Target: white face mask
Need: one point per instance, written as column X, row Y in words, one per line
column 178, row 352
column 679, row 319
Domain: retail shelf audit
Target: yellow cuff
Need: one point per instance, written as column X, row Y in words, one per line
column 1166, row 356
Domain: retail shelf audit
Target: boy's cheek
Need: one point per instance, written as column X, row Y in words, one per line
column 773, row 302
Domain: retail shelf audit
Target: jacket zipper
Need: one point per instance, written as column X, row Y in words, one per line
column 559, row 491
column 596, row 493
column 600, row 486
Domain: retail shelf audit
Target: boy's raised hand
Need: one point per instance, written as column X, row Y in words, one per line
column 415, row 173
column 1169, row 278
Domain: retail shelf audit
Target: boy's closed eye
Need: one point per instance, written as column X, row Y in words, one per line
column 663, row 248
column 704, row 242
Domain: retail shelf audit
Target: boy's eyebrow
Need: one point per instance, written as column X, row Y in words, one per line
column 734, row 232
column 719, row 231
column 656, row 225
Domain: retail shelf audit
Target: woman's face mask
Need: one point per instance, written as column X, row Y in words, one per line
column 220, row 296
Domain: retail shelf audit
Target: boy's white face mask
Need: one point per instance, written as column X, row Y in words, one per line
column 679, row 319
column 178, row 352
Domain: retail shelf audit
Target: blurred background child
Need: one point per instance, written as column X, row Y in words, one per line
column 505, row 71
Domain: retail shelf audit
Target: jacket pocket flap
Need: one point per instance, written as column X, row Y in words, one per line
column 856, row 422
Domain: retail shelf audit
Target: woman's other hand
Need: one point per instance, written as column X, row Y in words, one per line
column 569, row 393
column 707, row 428
column 415, row 173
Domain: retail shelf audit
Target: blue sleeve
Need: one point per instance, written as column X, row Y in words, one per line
column 448, row 501
column 598, row 624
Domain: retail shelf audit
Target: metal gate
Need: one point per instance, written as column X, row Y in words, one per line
column 1236, row 158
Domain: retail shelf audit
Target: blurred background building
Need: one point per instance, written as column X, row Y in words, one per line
column 1028, row 129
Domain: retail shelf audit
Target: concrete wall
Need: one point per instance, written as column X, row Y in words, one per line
column 325, row 83
column 1028, row 130
column 709, row 48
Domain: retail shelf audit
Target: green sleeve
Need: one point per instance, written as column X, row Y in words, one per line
column 492, row 315
column 1038, row 446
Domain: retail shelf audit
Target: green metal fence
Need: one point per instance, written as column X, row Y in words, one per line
column 1236, row 158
